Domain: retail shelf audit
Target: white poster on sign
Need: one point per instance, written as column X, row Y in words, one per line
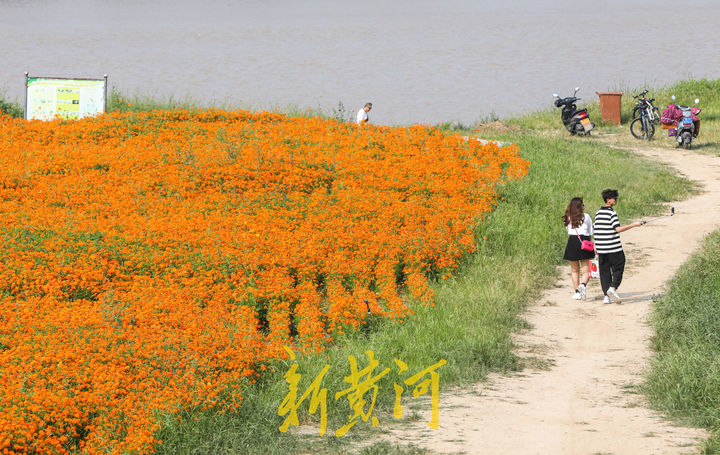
column 50, row 98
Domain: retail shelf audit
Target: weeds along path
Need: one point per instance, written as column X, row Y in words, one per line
column 581, row 396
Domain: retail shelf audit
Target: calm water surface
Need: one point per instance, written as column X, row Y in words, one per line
column 417, row 61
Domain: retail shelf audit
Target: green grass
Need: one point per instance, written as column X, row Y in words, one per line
column 11, row 108
column 477, row 310
column 116, row 102
column 124, row 102
column 685, row 377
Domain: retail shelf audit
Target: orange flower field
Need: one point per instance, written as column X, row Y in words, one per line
column 150, row 262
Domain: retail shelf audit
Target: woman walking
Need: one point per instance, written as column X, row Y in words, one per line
column 579, row 227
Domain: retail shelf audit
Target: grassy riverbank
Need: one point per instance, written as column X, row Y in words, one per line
column 519, row 247
column 547, row 122
column 477, row 309
column 685, row 378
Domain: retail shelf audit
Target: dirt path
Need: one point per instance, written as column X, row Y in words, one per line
column 584, row 403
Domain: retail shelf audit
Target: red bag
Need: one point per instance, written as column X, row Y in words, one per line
column 671, row 115
column 585, row 245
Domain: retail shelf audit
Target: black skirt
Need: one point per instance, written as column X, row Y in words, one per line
column 573, row 251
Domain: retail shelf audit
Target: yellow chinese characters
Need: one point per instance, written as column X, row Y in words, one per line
column 432, row 383
column 290, row 404
column 357, row 390
column 361, row 393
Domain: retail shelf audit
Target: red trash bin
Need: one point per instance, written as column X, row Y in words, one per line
column 610, row 106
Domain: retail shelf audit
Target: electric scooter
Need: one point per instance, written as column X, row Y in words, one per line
column 576, row 121
column 682, row 122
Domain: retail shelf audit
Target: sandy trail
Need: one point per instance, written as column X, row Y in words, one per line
column 585, row 402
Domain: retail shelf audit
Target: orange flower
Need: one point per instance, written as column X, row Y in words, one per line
column 151, row 262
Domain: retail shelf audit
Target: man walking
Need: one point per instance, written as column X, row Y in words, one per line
column 611, row 258
column 362, row 115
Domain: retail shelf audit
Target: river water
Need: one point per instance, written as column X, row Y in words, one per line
column 417, row 61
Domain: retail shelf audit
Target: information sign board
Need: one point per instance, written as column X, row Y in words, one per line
column 49, row 98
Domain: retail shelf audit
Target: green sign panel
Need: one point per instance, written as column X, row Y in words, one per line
column 49, row 98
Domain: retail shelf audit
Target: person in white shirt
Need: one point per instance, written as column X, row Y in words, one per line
column 362, row 115
column 579, row 227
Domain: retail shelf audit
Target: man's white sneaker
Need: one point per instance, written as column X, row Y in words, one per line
column 577, row 296
column 614, row 296
column 606, row 300
column 583, row 290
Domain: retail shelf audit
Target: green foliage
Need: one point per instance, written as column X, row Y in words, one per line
column 685, row 377
column 452, row 127
column 121, row 102
column 386, row 448
column 339, row 112
column 11, row 108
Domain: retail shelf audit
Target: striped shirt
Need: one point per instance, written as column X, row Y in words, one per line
column 607, row 239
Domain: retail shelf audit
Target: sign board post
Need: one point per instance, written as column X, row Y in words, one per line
column 47, row 98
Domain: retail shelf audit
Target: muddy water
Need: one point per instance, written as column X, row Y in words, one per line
column 417, row 61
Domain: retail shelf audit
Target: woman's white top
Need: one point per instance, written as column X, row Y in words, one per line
column 584, row 229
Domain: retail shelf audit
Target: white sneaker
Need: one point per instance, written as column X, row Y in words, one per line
column 583, row 290
column 606, row 300
column 614, row 296
column 577, row 296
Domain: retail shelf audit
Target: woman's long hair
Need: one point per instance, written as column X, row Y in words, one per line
column 574, row 213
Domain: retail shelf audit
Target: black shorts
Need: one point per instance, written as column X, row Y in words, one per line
column 573, row 251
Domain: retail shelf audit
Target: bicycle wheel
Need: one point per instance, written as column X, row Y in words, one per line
column 636, row 128
column 649, row 128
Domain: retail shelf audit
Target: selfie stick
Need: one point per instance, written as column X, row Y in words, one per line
column 672, row 212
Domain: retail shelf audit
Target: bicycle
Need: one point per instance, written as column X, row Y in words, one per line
column 639, row 105
column 643, row 127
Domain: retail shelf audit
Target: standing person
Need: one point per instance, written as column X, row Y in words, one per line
column 611, row 258
column 579, row 227
column 362, row 115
